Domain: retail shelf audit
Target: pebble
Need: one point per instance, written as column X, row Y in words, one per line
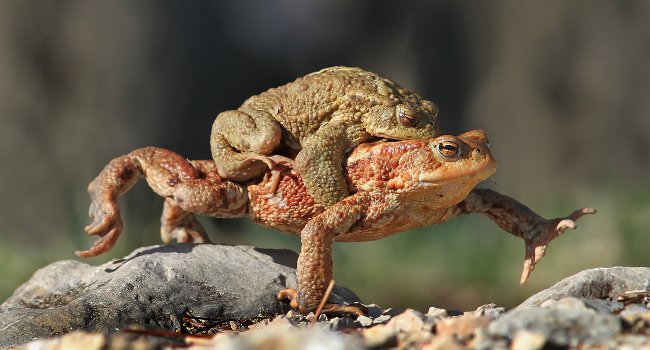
column 635, row 313
column 461, row 327
column 525, row 340
column 435, row 312
column 364, row 321
column 489, row 310
column 341, row 323
column 443, row 343
column 381, row 319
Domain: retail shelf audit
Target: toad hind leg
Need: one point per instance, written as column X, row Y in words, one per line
column 180, row 225
column 240, row 143
column 195, row 187
column 160, row 167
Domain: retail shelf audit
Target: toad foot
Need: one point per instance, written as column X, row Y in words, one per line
column 107, row 224
column 329, row 309
column 544, row 233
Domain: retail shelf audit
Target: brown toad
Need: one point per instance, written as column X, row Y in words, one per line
column 321, row 115
column 395, row 186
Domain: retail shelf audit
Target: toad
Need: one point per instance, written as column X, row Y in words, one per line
column 320, row 116
column 395, row 186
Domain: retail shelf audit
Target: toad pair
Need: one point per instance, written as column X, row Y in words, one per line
column 378, row 189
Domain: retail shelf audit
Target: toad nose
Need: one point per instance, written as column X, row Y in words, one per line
column 475, row 135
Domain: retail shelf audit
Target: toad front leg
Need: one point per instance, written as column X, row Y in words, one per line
column 240, row 143
column 319, row 161
column 521, row 221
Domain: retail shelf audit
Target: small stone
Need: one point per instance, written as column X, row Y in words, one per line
column 443, row 343
column 282, row 324
column 381, row 319
column 119, row 341
column 635, row 313
column 379, row 336
column 341, row 323
column 633, row 342
column 461, row 327
column 408, row 321
column 489, row 310
column 412, row 340
column 266, row 322
column 483, row 341
column 364, row 321
column 295, row 315
column 392, row 312
column 525, row 340
column 479, row 310
column 43, row 344
column 435, row 312
column 83, row 340
column 291, row 339
column 491, row 344
column 374, row 311
column 408, row 327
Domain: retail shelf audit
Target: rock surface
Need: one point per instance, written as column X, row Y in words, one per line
column 208, row 296
column 600, row 283
column 152, row 286
column 567, row 322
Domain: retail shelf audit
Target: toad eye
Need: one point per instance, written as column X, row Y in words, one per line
column 448, row 149
column 406, row 119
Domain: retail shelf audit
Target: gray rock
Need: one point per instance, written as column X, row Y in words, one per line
column 600, row 283
column 559, row 324
column 153, row 286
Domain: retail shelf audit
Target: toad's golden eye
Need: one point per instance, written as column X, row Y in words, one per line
column 407, row 119
column 448, row 149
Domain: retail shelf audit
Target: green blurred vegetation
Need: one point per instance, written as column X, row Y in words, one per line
column 461, row 264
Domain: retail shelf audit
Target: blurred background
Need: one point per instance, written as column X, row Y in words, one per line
column 562, row 89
